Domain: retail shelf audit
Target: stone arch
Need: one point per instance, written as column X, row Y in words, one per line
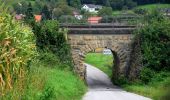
column 118, row 52
column 119, row 44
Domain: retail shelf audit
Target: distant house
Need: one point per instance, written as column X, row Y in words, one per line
column 107, row 52
column 38, row 18
column 166, row 11
column 77, row 15
column 19, row 16
column 94, row 20
column 91, row 8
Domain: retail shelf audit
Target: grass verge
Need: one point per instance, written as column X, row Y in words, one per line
column 159, row 90
column 48, row 82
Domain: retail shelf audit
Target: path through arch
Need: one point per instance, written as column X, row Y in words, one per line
column 101, row 88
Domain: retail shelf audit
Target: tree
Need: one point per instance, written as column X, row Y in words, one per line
column 117, row 4
column 46, row 13
column 106, row 3
column 75, row 3
column 29, row 12
column 130, row 4
column 105, row 11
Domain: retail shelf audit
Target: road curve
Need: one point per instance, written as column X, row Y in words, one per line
column 101, row 87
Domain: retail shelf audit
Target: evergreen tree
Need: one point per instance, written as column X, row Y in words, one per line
column 106, row 3
column 75, row 3
column 29, row 12
column 46, row 15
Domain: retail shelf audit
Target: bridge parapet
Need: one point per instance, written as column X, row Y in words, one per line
column 99, row 29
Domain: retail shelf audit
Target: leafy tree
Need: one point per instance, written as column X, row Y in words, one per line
column 75, row 3
column 46, row 13
column 117, row 4
column 106, row 3
column 130, row 4
column 105, row 11
column 29, row 12
column 156, row 42
column 49, row 38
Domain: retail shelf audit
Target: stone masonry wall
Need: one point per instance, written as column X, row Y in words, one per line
column 81, row 44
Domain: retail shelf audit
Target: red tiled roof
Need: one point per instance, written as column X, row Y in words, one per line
column 38, row 18
column 94, row 20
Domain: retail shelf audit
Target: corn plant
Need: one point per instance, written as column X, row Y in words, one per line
column 16, row 49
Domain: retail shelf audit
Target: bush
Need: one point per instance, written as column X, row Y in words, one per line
column 146, row 75
column 155, row 43
column 140, row 11
column 49, row 38
column 106, row 11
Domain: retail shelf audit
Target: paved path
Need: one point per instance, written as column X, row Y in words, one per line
column 101, row 88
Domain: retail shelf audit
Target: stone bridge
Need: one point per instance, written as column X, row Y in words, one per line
column 85, row 38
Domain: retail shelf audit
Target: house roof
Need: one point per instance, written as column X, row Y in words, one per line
column 92, row 6
column 94, row 20
column 38, row 18
column 18, row 17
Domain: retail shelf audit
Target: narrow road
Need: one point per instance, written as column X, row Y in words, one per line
column 101, row 87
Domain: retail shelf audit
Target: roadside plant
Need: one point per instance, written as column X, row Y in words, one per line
column 17, row 48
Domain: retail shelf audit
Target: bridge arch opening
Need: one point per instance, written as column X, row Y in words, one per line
column 81, row 44
column 102, row 59
column 81, row 59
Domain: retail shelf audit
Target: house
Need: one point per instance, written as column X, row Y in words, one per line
column 38, row 18
column 19, row 16
column 77, row 15
column 166, row 11
column 94, row 20
column 91, row 8
column 107, row 52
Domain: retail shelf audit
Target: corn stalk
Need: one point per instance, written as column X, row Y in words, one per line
column 16, row 49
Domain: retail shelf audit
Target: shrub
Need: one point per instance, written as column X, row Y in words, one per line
column 106, row 11
column 49, row 38
column 140, row 11
column 155, row 44
column 146, row 75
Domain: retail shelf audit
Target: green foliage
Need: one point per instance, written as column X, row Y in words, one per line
column 157, row 88
column 75, row 3
column 105, row 11
column 49, row 38
column 140, row 11
column 46, row 15
column 48, row 82
column 17, row 48
column 146, row 75
column 29, row 12
column 156, row 43
column 121, row 80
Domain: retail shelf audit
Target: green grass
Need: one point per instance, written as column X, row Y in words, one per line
column 64, row 84
column 150, row 7
column 117, row 13
column 156, row 90
column 154, row 6
column 103, row 62
column 48, row 82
